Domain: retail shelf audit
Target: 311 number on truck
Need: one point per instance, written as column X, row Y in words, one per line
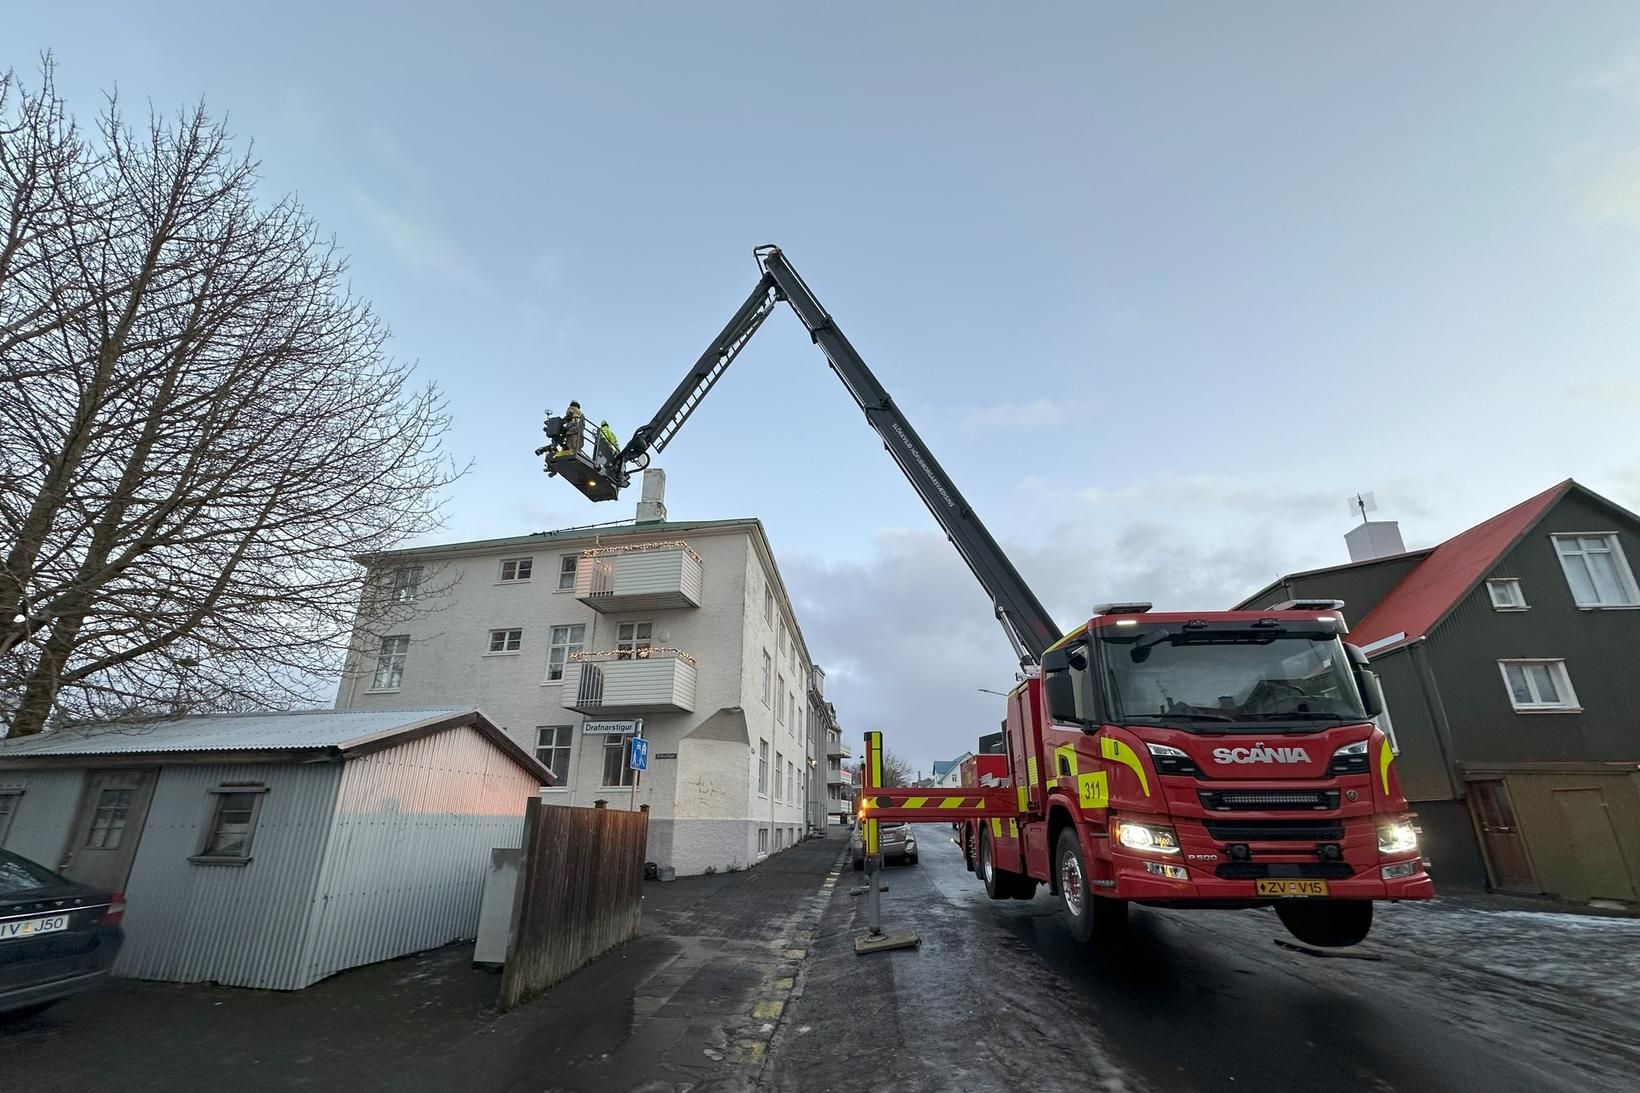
column 1186, row 759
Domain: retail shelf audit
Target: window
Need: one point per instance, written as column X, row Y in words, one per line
column 231, row 823
column 390, row 663
column 791, row 783
column 762, row 840
column 517, row 569
column 1506, row 594
column 1596, row 570
column 779, row 759
column 566, row 571
column 552, row 748
column 632, row 638
column 780, row 838
column 9, row 800
column 768, row 604
column 107, row 827
column 763, row 768
column 406, row 583
column 506, row 641
column 780, row 700
column 617, row 771
column 1538, row 684
column 565, row 640
column 780, row 646
column 768, row 668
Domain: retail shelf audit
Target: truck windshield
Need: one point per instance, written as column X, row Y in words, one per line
column 1213, row 681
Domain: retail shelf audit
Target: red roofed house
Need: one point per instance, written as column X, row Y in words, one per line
column 1510, row 658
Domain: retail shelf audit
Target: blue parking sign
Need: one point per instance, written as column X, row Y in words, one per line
column 640, row 753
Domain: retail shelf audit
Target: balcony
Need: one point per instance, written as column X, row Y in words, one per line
column 649, row 681
column 639, row 577
column 836, row 749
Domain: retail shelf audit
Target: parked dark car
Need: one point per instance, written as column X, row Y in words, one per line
column 897, row 841
column 57, row 937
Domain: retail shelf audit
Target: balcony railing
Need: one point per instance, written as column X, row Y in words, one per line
column 639, row 577
column 643, row 681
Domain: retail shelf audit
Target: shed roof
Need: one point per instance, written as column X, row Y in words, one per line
column 346, row 733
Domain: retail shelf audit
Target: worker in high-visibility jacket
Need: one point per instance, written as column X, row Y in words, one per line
column 607, row 446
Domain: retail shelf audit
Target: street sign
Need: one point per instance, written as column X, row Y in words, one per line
column 666, row 755
column 640, row 753
column 603, row 728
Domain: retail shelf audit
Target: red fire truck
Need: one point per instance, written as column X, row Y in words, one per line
column 1195, row 759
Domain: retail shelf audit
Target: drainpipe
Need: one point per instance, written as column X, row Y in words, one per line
column 1437, row 715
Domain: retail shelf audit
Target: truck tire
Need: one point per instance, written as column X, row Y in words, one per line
column 1329, row 924
column 1087, row 916
column 999, row 884
column 859, row 864
column 966, row 836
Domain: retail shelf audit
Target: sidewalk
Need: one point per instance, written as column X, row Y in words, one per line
column 692, row 1002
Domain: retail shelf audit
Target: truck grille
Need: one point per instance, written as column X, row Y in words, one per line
column 1247, row 831
column 1268, row 800
column 1252, row 870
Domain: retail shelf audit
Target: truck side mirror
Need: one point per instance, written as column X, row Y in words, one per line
column 1059, row 683
column 1372, row 692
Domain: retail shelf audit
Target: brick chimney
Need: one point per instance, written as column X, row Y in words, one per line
column 652, row 502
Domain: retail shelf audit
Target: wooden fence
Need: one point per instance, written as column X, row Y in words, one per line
column 580, row 890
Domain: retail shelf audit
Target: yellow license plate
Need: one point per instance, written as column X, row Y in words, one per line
column 1291, row 887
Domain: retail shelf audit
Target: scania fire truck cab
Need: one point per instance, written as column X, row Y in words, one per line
column 1218, row 759
column 1222, row 759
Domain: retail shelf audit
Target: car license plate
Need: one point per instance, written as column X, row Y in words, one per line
column 1292, row 887
column 32, row 927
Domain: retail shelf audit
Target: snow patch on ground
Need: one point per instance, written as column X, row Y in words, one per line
column 1588, row 953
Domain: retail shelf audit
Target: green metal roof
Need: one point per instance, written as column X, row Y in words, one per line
column 591, row 531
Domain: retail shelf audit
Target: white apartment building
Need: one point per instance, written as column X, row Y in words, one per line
column 574, row 640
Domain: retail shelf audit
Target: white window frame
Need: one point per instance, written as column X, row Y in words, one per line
column 388, row 658
column 791, row 781
column 570, row 644
column 1514, row 595
column 768, row 603
column 523, row 570
column 768, row 671
column 12, row 796
column 627, row 774
column 762, row 841
column 407, row 583
column 780, row 699
column 1562, row 680
column 566, row 733
column 762, row 768
column 780, row 645
column 1620, row 562
column 506, row 642
column 568, row 566
column 779, row 758
column 213, row 816
column 633, row 640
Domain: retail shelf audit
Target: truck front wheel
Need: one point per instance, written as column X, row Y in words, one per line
column 1088, row 916
column 1330, row 925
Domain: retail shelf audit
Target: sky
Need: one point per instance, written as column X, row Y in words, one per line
column 1161, row 285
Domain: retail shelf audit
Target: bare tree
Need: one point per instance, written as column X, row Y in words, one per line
column 200, row 427
column 896, row 771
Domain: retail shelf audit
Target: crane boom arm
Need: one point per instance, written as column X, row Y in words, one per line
column 1029, row 626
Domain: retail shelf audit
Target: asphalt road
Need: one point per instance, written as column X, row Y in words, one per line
column 999, row 997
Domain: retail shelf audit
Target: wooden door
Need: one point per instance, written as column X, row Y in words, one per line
column 1602, row 872
column 106, row 832
column 1505, row 850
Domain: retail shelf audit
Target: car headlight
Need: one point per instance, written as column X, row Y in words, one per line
column 1156, row 838
column 1397, row 837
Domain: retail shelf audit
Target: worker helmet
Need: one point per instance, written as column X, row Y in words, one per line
column 574, row 405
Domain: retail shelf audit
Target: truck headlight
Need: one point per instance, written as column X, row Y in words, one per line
column 1397, row 837
column 1156, row 838
column 1350, row 759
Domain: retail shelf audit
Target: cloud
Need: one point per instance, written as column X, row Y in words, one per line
column 907, row 637
column 418, row 246
column 1610, row 193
